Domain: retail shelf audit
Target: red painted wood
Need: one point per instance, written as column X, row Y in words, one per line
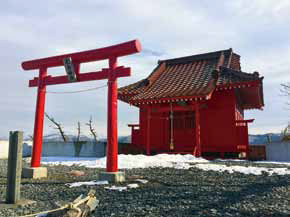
column 118, row 50
column 166, row 99
column 148, row 130
column 133, row 125
column 112, row 133
column 245, row 121
column 197, row 132
column 111, row 74
column 241, row 84
column 39, row 119
column 218, row 117
column 89, row 76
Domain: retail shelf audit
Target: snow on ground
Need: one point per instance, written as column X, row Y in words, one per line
column 115, row 188
column 257, row 162
column 129, row 161
column 143, row 181
column 164, row 160
column 77, row 184
column 133, row 185
column 119, row 188
column 243, row 169
column 273, row 162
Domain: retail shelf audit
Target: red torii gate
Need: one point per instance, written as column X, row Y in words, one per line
column 112, row 73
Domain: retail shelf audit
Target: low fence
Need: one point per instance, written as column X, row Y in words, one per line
column 257, row 152
column 4, row 147
column 278, row 151
column 73, row 149
column 68, row 149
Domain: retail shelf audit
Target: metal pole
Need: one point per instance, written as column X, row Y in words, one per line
column 39, row 119
column 112, row 131
column 14, row 167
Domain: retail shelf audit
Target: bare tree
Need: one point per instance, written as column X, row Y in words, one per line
column 79, row 132
column 31, row 137
column 92, row 130
column 58, row 127
column 285, row 90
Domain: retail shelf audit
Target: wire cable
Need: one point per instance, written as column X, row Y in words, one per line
column 77, row 91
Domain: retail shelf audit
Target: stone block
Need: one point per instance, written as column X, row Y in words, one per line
column 34, row 172
column 113, row 177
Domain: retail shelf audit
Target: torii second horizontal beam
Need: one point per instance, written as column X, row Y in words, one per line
column 89, row 76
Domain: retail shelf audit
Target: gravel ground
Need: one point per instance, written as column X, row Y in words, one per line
column 169, row 192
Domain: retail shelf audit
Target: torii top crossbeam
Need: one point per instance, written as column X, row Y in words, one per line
column 118, row 50
column 112, row 73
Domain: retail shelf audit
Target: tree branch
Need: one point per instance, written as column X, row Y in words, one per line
column 58, row 127
column 79, row 131
column 92, row 130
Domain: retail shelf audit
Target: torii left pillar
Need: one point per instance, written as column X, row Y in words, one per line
column 35, row 171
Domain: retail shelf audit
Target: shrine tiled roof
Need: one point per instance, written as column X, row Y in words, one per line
column 191, row 77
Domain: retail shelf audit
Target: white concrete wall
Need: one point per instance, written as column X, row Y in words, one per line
column 278, row 151
column 4, row 148
column 89, row 149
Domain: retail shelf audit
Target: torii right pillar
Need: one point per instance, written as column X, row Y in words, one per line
column 112, row 174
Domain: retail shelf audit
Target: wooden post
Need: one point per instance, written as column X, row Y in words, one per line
column 148, row 130
column 14, row 167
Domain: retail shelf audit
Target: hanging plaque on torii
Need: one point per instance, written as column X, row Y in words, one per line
column 72, row 62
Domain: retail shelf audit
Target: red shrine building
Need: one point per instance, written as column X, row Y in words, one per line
column 195, row 104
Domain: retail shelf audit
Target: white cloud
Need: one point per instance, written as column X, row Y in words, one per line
column 258, row 30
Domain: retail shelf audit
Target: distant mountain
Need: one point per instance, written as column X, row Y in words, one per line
column 57, row 137
column 263, row 138
column 124, row 139
column 253, row 139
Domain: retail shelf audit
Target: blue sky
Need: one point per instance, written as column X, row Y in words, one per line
column 257, row 30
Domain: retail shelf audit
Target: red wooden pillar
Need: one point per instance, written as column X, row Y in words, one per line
column 247, row 139
column 112, row 133
column 39, row 119
column 197, row 131
column 148, row 130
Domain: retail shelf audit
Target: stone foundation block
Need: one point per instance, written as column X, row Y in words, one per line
column 113, row 177
column 34, row 172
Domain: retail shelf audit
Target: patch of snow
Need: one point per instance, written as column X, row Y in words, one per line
column 122, row 188
column 130, row 161
column 243, row 169
column 134, row 185
column 115, row 188
column 77, row 184
column 143, row 181
column 257, row 162
column 164, row 160
column 273, row 162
